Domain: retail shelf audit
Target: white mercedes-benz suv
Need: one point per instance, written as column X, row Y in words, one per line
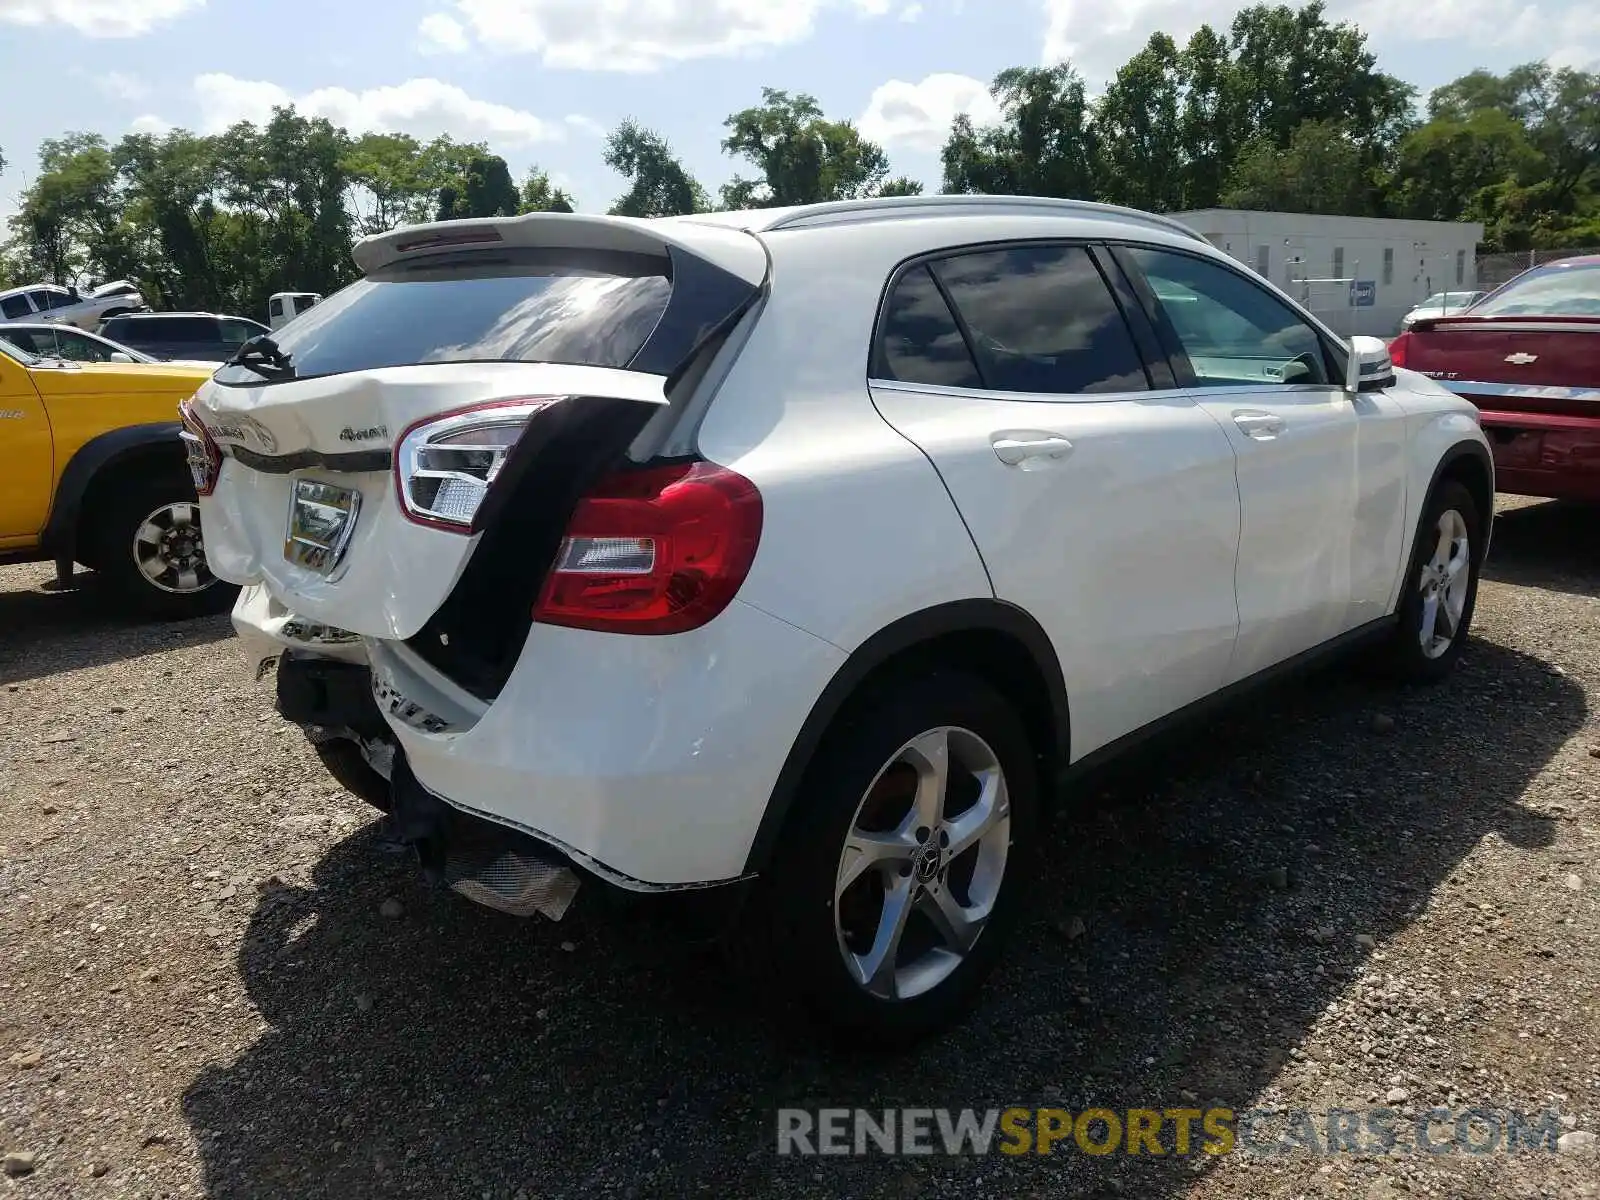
column 806, row 553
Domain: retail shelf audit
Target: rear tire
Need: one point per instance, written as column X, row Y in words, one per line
column 147, row 545
column 874, row 837
column 1441, row 588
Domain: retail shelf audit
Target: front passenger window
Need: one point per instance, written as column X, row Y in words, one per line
column 1232, row 331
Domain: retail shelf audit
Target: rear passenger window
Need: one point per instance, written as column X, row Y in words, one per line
column 1042, row 320
column 15, row 307
column 920, row 341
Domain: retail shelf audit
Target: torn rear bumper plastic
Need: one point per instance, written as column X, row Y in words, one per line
column 490, row 864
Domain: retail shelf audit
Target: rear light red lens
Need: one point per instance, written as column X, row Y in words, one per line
column 1398, row 349
column 203, row 455
column 654, row 551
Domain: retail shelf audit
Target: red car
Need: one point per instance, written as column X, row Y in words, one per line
column 1528, row 355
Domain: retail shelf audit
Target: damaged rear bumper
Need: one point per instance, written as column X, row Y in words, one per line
column 487, row 863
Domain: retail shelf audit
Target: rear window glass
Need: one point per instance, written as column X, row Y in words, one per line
column 15, row 306
column 1042, row 319
column 575, row 307
column 162, row 329
column 919, row 341
column 1554, row 292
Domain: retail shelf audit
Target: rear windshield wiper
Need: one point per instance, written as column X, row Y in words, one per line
column 265, row 357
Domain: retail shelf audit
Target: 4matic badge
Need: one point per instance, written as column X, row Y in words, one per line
column 370, row 433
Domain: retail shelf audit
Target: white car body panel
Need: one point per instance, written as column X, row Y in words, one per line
column 1321, row 503
column 1126, row 559
column 650, row 759
column 642, row 754
column 265, row 627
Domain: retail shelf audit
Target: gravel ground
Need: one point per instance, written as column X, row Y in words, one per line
column 215, row 979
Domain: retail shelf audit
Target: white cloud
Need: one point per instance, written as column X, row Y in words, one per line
column 440, row 33
column 97, row 18
column 918, row 115
column 422, row 107
column 121, row 86
column 585, row 124
column 911, row 12
column 644, row 35
column 1098, row 36
column 149, row 123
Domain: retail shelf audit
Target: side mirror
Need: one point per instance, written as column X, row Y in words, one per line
column 1371, row 369
column 72, row 290
column 119, row 357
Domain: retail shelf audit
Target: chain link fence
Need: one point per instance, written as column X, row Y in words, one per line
column 1495, row 269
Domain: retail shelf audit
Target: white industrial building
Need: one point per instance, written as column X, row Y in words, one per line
column 1359, row 274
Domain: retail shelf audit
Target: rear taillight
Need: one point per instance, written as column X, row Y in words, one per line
column 656, row 550
column 443, row 465
column 1398, row 349
column 205, row 459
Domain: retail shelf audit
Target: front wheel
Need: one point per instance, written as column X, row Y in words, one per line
column 1441, row 588
column 903, row 867
column 150, row 550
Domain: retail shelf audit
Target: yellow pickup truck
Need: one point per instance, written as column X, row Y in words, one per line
column 92, row 471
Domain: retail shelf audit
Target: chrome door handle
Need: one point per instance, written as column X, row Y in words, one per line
column 1013, row 448
column 1263, row 427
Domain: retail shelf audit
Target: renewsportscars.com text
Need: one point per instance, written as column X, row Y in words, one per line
column 1163, row 1131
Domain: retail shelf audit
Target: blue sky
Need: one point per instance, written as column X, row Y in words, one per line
column 541, row 80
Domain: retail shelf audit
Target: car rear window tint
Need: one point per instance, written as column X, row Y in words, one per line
column 1042, row 319
column 162, row 329
column 584, row 308
column 919, row 340
column 15, row 307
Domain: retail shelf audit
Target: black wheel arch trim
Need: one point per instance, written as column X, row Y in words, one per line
column 981, row 615
column 88, row 463
column 1457, row 452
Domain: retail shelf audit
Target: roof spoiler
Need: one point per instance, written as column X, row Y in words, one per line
column 730, row 249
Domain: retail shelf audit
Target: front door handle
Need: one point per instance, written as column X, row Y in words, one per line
column 1014, row 447
column 1263, row 427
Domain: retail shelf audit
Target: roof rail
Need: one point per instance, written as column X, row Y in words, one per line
column 904, row 206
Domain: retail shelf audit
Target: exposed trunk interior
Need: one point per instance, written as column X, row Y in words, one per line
column 477, row 635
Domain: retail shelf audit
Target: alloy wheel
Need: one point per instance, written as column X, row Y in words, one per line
column 922, row 864
column 1444, row 582
column 170, row 551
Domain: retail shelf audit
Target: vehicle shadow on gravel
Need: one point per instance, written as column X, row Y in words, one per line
column 1554, row 546
column 454, row 1052
column 44, row 632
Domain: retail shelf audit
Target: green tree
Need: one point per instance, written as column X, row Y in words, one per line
column 660, row 185
column 901, row 185
column 170, row 187
column 393, row 180
column 1138, row 134
column 1451, row 167
column 540, row 195
column 1319, row 171
column 1291, row 66
column 1043, row 145
column 482, row 189
column 486, row 190
column 803, row 157
column 1209, row 132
